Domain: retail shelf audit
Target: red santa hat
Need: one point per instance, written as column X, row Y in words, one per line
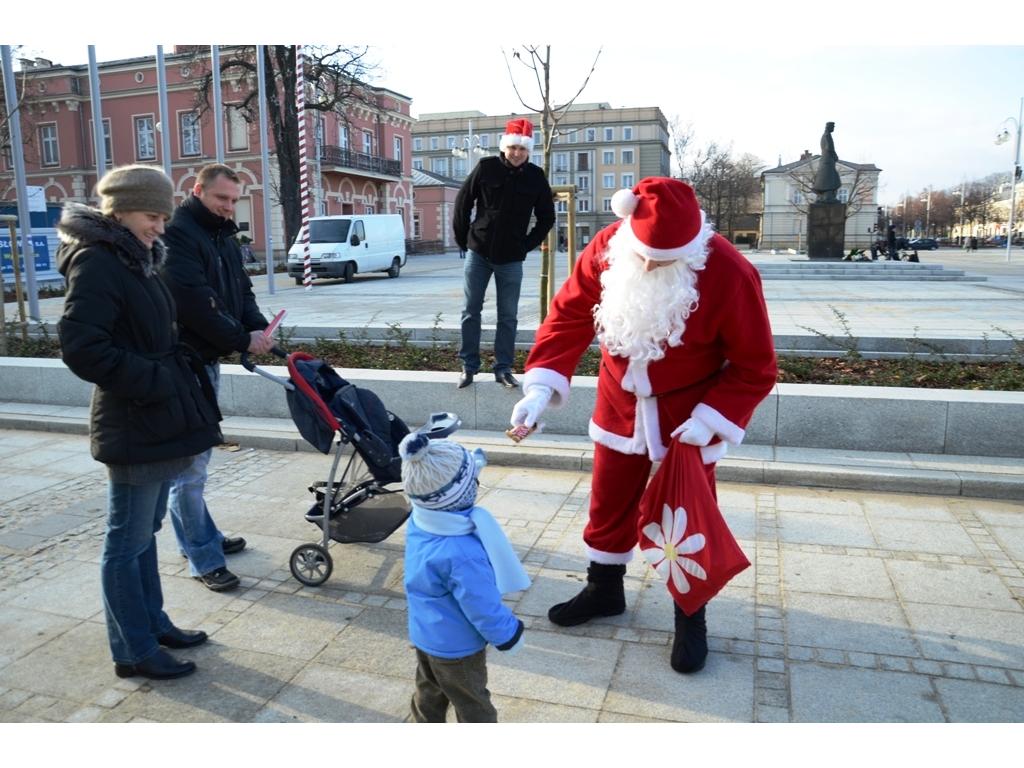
column 663, row 219
column 518, row 133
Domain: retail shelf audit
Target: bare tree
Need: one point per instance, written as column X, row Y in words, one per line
column 682, row 140
column 335, row 80
column 727, row 188
column 538, row 64
column 21, row 100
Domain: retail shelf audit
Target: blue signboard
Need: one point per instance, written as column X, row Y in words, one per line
column 39, row 245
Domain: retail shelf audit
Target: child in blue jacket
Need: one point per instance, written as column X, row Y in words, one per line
column 458, row 563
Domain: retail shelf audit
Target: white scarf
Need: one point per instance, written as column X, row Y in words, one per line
column 509, row 573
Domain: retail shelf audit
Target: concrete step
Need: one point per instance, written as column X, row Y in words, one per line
column 897, row 472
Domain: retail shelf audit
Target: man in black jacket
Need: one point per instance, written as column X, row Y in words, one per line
column 506, row 190
column 218, row 316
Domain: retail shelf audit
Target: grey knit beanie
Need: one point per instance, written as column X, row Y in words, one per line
column 136, row 188
column 438, row 474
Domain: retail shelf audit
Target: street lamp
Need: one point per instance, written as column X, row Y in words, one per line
column 1002, row 138
column 471, row 148
column 927, row 200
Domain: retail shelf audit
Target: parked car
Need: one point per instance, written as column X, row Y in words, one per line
column 924, row 244
column 341, row 246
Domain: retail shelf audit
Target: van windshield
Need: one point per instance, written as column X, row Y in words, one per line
column 325, row 231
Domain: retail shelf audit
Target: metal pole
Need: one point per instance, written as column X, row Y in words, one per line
column 265, row 169
column 1013, row 181
column 218, row 118
column 95, row 99
column 17, row 154
column 165, row 116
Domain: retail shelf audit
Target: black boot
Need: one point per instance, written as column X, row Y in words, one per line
column 603, row 596
column 690, row 648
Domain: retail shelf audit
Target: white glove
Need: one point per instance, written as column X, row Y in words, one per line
column 529, row 409
column 693, row 432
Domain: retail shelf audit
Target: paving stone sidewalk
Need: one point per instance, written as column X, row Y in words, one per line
column 858, row 607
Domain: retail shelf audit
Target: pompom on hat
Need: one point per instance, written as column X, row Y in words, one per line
column 663, row 220
column 519, row 133
column 438, row 474
column 136, row 188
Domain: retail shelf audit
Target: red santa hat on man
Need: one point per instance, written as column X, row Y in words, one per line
column 518, row 133
column 663, row 220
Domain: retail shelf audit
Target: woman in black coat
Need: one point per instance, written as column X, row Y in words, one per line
column 152, row 407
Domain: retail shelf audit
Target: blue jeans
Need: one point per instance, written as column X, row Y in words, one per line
column 198, row 537
column 507, row 280
column 132, row 599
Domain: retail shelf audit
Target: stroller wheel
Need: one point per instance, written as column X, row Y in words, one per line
column 311, row 564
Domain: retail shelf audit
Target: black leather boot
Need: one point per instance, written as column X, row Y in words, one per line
column 690, row 648
column 603, row 596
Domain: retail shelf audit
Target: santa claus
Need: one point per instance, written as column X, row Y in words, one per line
column 687, row 354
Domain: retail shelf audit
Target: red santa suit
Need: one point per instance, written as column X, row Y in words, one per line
column 723, row 368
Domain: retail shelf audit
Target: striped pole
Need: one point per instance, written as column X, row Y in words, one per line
column 300, row 103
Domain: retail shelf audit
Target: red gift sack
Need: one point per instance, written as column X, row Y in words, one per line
column 682, row 532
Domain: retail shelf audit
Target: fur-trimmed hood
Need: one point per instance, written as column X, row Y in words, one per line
column 81, row 227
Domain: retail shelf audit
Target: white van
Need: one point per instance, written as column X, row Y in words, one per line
column 341, row 246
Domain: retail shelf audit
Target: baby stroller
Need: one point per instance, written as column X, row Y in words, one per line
column 363, row 504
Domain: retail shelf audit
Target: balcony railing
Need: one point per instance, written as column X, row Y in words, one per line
column 346, row 158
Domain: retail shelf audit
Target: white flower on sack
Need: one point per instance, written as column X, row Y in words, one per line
column 668, row 555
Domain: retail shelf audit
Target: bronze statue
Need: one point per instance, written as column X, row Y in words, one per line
column 826, row 180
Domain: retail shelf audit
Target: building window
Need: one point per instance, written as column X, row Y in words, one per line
column 343, row 136
column 796, row 196
column 627, row 133
column 417, row 233
column 417, row 163
column 398, row 148
column 561, row 206
column 582, row 205
column 451, row 142
column 608, row 181
column 571, row 136
column 49, row 147
column 238, row 130
column 417, row 144
column 609, row 134
column 435, row 142
column 191, row 135
column 561, row 162
column 582, row 161
column 627, row 157
column 108, row 145
column 583, row 182
column 145, row 139
column 561, row 181
column 367, row 209
column 485, row 140
column 459, row 167
column 627, row 181
column 537, row 159
column 843, row 195
column 368, row 142
column 439, row 165
column 607, row 205
column 8, row 159
column 609, row 156
column 591, row 134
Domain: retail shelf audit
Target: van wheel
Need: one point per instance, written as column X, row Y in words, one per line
column 396, row 268
column 349, row 273
column 298, row 281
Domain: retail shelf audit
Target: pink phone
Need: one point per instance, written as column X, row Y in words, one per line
column 269, row 330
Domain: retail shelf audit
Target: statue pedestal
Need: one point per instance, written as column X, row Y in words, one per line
column 826, row 231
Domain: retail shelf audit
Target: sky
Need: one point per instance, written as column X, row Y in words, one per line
column 762, row 82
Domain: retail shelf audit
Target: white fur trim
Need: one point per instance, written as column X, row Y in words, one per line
column 648, row 426
column 516, row 140
column 695, row 252
column 637, row 369
column 549, row 378
column 624, row 202
column 710, row 454
column 609, row 558
column 618, row 443
column 729, row 432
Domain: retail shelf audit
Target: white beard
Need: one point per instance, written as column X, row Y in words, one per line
column 642, row 313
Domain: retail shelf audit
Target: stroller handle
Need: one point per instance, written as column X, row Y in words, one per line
column 250, row 366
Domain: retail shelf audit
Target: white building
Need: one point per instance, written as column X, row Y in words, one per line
column 786, row 196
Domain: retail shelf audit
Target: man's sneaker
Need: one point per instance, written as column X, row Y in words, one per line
column 233, row 545
column 219, row 580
